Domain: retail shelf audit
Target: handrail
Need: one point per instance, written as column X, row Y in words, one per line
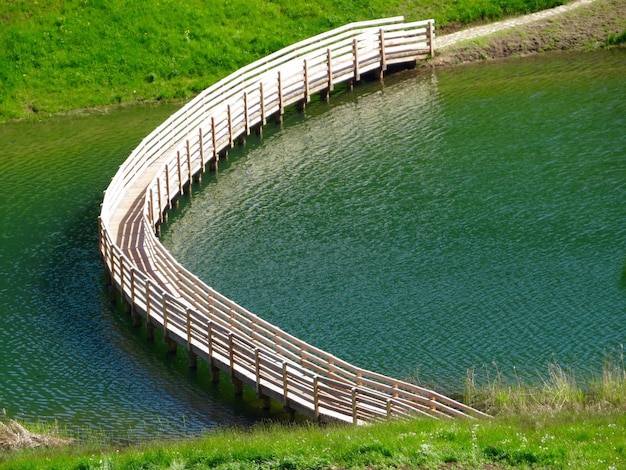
column 192, row 314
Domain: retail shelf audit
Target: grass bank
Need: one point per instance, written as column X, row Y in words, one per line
column 552, row 440
column 60, row 56
column 557, row 424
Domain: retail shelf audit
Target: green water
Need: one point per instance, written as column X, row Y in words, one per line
column 445, row 221
column 465, row 218
column 65, row 354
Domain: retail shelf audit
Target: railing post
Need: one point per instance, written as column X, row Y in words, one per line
column 245, row 112
column 149, row 325
column 316, row 397
column 383, row 55
column 151, row 209
column 101, row 236
column 113, row 282
column 231, row 354
column 433, row 402
column 132, row 289
column 329, row 62
column 355, row 51
column 209, row 327
column 355, row 418
column 158, row 182
column 148, row 306
column 231, row 140
column 188, row 312
column 167, row 186
column 285, row 387
column 281, row 108
column 237, row 383
column 216, row 156
column 180, row 174
column 122, row 277
column 165, row 319
column 191, row 356
column 201, row 144
column 257, row 366
column 215, row 371
column 189, row 174
column 262, row 102
column 112, row 267
column 265, row 400
column 307, row 96
column 431, row 37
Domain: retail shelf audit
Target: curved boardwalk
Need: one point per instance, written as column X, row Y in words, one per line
column 161, row 292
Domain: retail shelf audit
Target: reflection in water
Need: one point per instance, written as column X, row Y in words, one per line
column 444, row 221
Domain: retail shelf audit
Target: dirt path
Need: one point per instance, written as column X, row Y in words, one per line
column 579, row 25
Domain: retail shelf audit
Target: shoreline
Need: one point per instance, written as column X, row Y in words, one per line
column 583, row 25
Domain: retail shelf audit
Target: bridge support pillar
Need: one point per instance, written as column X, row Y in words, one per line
column 291, row 413
column 215, row 374
column 238, row 384
column 149, row 328
column 192, row 357
column 265, row 401
column 112, row 293
column 259, row 130
column 107, row 276
column 171, row 345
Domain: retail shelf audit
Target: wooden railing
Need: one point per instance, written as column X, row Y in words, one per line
column 192, row 314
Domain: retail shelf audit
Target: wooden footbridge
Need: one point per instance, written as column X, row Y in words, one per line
column 161, row 292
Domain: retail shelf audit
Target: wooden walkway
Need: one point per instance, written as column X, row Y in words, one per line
column 161, row 292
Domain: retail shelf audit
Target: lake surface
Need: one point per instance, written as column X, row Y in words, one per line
column 441, row 222
column 65, row 353
column 466, row 218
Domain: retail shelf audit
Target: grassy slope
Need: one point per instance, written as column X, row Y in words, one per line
column 61, row 55
column 547, row 441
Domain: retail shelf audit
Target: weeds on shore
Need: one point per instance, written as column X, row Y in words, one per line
column 557, row 392
column 14, row 436
column 616, row 39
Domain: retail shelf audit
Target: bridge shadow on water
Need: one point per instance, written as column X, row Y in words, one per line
column 103, row 374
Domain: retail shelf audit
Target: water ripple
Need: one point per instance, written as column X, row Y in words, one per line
column 440, row 223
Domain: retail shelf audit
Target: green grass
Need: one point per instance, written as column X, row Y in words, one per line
column 555, row 424
column 617, row 39
column 63, row 55
column 551, row 440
